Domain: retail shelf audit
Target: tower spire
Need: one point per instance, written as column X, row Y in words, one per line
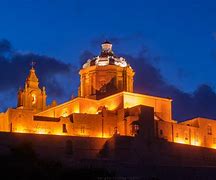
column 32, row 97
column 32, row 80
column 33, row 64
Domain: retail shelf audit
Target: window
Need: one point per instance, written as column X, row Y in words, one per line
column 11, row 127
column 115, row 130
column 103, row 89
column 33, row 99
column 64, row 128
column 82, row 129
column 209, row 130
column 214, row 140
column 161, row 132
column 135, row 129
column 177, row 135
column 103, row 86
column 186, row 136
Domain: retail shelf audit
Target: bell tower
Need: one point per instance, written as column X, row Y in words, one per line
column 32, row 97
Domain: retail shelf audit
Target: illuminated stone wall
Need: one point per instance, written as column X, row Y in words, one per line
column 106, row 105
column 20, row 120
column 4, row 122
column 197, row 132
column 104, row 117
column 101, row 81
column 162, row 106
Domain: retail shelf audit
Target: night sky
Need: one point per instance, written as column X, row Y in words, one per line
column 171, row 45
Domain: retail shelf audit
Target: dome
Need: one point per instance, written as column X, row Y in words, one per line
column 106, row 57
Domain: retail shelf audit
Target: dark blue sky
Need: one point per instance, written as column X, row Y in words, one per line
column 180, row 36
column 181, row 33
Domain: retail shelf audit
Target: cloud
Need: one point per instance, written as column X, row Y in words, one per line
column 7, row 99
column 61, row 81
column 51, row 72
column 85, row 56
column 148, row 80
column 5, row 47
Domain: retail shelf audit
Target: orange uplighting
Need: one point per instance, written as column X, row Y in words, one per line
column 113, row 106
column 105, row 136
column 64, row 113
column 59, row 134
column 195, row 143
column 92, row 110
column 76, row 109
column 41, row 131
column 132, row 101
column 19, row 129
column 99, row 135
column 181, row 141
column 213, row 146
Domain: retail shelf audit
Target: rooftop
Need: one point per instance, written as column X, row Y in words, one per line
column 106, row 57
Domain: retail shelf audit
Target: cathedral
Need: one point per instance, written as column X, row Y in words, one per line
column 106, row 106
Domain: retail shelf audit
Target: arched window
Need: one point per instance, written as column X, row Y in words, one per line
column 64, row 128
column 209, row 130
column 135, row 128
column 34, row 99
column 186, row 135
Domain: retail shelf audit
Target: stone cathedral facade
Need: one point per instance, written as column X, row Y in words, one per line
column 106, row 105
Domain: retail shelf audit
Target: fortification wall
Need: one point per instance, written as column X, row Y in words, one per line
column 158, row 152
column 65, row 148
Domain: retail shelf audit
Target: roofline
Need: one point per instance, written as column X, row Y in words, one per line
column 109, row 65
column 65, row 103
column 149, row 96
column 198, row 118
column 138, row 94
column 99, row 100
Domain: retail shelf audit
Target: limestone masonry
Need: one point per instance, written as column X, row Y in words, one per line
column 105, row 106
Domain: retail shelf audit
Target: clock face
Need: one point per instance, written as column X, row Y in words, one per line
column 34, row 99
